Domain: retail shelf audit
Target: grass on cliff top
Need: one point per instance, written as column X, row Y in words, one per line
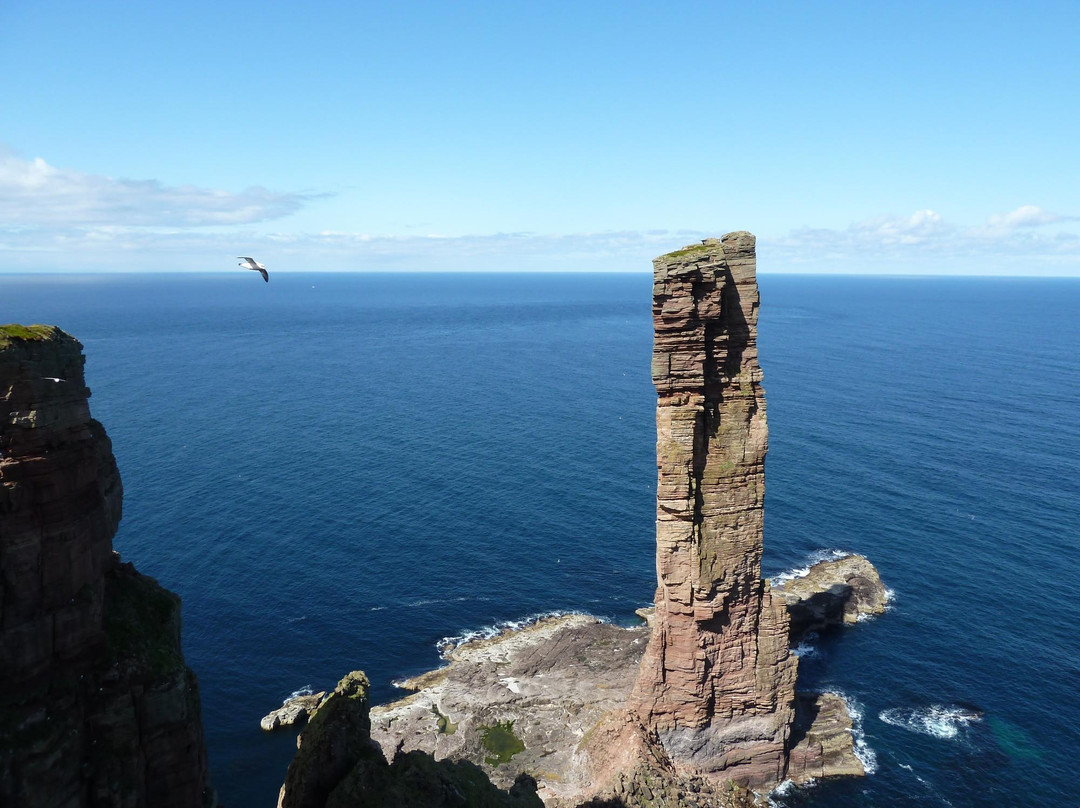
column 697, row 248
column 500, row 740
column 13, row 331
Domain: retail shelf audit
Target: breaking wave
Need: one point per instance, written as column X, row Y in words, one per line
column 448, row 644
column 866, row 755
column 938, row 721
column 306, row 690
column 787, row 789
column 816, row 557
column 806, row 648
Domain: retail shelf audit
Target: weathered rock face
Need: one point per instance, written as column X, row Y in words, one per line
column 559, row 689
column 835, row 592
column 294, row 711
column 671, row 713
column 717, row 683
column 96, row 705
column 60, row 503
column 338, row 765
column 540, row 690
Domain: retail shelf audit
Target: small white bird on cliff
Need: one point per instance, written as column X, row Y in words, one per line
column 251, row 263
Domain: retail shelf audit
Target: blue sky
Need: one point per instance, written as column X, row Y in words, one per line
column 850, row 137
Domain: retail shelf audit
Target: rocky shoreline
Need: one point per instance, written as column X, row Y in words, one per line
column 697, row 708
column 553, row 682
column 699, row 705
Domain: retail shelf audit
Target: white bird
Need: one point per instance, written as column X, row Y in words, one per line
column 52, row 379
column 251, row 263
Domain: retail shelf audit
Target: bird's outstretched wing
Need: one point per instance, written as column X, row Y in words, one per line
column 245, row 258
column 265, row 274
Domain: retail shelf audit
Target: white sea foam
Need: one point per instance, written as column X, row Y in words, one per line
column 448, row 644
column 937, row 720
column 866, row 755
column 806, row 648
column 306, row 690
column 783, row 789
column 816, row 557
column 786, row 789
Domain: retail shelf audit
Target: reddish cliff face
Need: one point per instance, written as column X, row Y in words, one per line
column 60, row 505
column 96, row 705
column 717, row 683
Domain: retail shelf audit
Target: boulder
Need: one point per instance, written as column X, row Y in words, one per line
column 835, row 592
column 296, row 710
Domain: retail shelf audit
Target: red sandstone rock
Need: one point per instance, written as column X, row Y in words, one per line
column 717, row 683
column 96, row 705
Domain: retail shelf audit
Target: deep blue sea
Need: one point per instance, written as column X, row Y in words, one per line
column 337, row 471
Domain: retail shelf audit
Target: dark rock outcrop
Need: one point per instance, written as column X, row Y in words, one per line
column 96, row 705
column 717, row 683
column 293, row 712
column 822, row 739
column 337, row 765
column 831, row 593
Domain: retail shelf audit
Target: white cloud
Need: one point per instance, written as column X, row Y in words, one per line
column 180, row 249
column 918, row 228
column 56, row 219
column 926, row 242
column 33, row 192
column 1027, row 216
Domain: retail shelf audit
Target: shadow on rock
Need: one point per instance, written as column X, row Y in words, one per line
column 337, row 765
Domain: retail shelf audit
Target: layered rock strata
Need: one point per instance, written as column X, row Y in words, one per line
column 558, row 691
column 700, row 703
column 717, row 682
column 96, row 705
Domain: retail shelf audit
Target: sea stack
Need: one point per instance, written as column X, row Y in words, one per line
column 96, row 705
column 717, row 682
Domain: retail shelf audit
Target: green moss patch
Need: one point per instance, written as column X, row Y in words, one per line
column 28, row 333
column 699, row 248
column 446, row 726
column 500, row 740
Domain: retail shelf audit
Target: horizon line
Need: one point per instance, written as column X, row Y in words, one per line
column 296, row 272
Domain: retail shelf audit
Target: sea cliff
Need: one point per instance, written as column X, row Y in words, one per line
column 97, row 707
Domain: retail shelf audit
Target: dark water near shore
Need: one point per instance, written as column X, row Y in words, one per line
column 336, row 471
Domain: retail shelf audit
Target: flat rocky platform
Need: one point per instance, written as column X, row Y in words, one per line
column 526, row 701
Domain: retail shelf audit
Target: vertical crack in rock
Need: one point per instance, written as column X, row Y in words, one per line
column 717, row 683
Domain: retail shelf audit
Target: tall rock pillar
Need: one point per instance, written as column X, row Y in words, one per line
column 717, row 683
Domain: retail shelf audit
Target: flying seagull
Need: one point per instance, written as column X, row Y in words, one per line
column 251, row 263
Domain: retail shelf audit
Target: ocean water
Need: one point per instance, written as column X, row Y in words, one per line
column 338, row 471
